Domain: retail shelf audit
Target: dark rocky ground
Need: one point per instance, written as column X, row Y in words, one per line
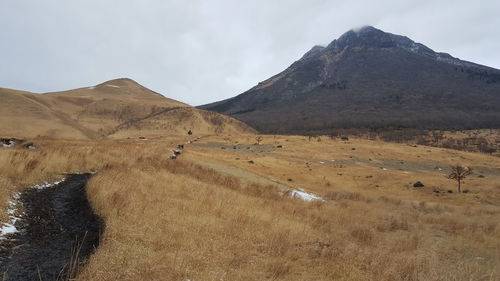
column 57, row 233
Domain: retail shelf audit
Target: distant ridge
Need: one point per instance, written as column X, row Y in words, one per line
column 118, row 108
column 368, row 78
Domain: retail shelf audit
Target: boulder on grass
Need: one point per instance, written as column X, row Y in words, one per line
column 418, row 184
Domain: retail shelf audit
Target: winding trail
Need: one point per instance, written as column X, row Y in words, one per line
column 57, row 233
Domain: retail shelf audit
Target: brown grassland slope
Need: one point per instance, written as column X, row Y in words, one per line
column 221, row 210
column 100, row 111
column 22, row 115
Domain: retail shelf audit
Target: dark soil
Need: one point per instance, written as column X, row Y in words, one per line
column 57, row 233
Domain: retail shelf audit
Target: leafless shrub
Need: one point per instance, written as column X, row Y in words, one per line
column 459, row 173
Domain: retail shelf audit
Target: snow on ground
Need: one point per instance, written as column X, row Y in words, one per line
column 91, row 88
column 13, row 210
column 114, row 86
column 303, row 195
column 47, row 185
column 9, row 227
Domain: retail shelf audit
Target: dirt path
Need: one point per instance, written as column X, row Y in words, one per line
column 55, row 222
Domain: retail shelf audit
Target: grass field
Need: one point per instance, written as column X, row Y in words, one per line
column 221, row 210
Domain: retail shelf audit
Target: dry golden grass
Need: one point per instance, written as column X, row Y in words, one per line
column 208, row 216
column 118, row 108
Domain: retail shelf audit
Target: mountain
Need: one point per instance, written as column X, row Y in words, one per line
column 115, row 109
column 369, row 78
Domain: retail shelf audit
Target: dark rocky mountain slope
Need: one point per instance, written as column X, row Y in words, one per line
column 371, row 79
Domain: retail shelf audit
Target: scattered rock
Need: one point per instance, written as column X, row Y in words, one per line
column 369, row 177
column 29, row 145
column 466, row 191
column 344, row 138
column 450, row 191
column 251, row 161
column 279, row 146
column 8, row 142
column 353, row 148
column 290, row 179
column 480, row 176
column 418, row 184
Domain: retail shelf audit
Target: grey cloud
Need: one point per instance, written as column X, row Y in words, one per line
column 203, row 51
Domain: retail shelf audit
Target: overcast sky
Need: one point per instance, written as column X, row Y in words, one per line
column 200, row 51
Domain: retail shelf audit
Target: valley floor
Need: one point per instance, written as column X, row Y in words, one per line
column 223, row 210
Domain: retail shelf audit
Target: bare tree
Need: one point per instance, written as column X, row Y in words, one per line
column 459, row 173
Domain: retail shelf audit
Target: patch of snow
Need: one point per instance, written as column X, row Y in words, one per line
column 114, row 86
column 305, row 196
column 332, row 160
column 13, row 209
column 321, row 162
column 6, row 229
column 384, row 169
column 9, row 227
column 46, row 185
column 91, row 88
column 449, row 60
